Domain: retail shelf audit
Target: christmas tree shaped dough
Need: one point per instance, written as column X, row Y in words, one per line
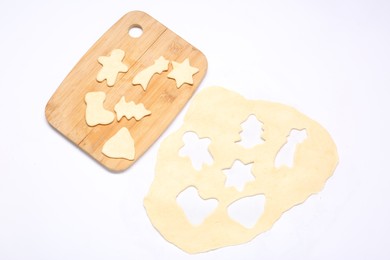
column 129, row 110
column 120, row 146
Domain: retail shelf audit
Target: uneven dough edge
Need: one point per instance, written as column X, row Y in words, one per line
column 160, row 202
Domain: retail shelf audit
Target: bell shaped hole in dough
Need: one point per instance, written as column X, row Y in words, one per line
column 238, row 175
column 195, row 208
column 286, row 154
column 248, row 210
column 251, row 134
column 196, row 149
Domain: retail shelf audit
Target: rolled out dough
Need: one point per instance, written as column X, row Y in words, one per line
column 315, row 160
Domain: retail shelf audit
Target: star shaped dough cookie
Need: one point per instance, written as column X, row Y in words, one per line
column 182, row 72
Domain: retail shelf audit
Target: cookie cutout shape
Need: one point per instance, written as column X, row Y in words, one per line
column 120, row 146
column 285, row 156
column 144, row 76
column 195, row 208
column 196, row 150
column 182, row 72
column 238, row 175
column 315, row 159
column 112, row 65
column 129, row 110
column 247, row 210
column 95, row 113
column 251, row 132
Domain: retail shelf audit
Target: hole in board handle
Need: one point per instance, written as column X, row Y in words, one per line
column 135, row 31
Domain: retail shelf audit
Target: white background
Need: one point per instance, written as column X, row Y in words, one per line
column 328, row 59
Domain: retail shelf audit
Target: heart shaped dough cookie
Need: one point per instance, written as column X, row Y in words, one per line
column 217, row 113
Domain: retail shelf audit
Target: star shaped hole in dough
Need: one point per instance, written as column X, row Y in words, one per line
column 238, row 175
column 182, row 73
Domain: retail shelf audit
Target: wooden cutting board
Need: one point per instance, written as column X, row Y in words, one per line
column 66, row 109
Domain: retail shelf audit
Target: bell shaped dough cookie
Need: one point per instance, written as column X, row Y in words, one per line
column 121, row 145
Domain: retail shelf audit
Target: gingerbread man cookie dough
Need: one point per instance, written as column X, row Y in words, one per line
column 112, row 65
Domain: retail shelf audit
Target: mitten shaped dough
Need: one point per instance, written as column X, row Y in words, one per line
column 95, row 113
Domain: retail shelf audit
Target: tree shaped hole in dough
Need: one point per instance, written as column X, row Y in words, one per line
column 120, row 146
column 112, row 65
column 130, row 109
column 95, row 113
column 251, row 132
column 315, row 160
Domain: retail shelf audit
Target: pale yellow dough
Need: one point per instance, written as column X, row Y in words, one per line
column 314, row 162
column 120, row 146
column 95, row 113
column 144, row 76
column 112, row 65
column 183, row 72
column 130, row 109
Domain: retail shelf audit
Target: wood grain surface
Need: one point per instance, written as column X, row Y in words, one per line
column 65, row 110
